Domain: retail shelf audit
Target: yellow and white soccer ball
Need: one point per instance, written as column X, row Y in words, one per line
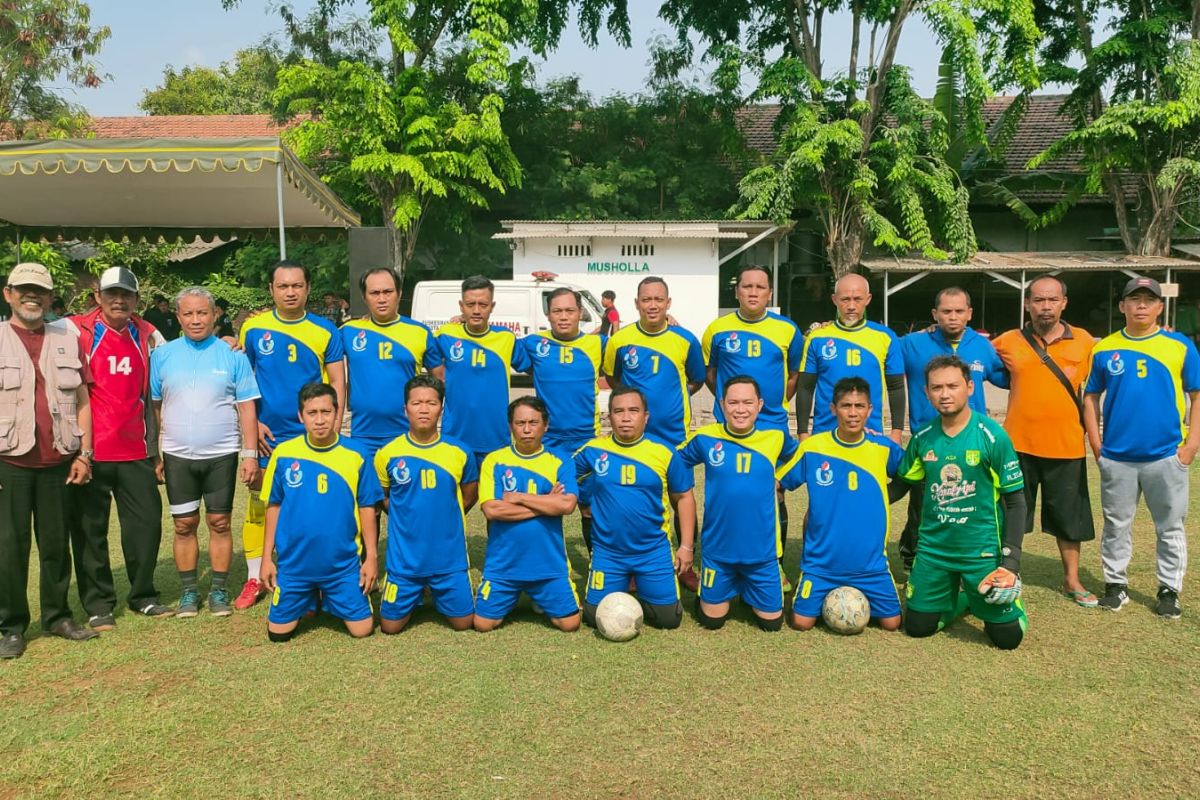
column 846, row 610
column 619, row 617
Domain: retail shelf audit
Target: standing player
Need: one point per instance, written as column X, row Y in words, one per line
column 952, row 336
column 756, row 342
column 851, row 345
column 477, row 357
column 203, row 395
column 846, row 471
column 321, row 522
column 288, row 349
column 666, row 362
column 1144, row 374
column 434, row 481
column 973, row 517
column 632, row 479
column 741, row 520
column 526, row 490
column 610, row 323
column 383, row 352
column 565, row 365
column 1048, row 362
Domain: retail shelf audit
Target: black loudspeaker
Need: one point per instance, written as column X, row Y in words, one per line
column 369, row 248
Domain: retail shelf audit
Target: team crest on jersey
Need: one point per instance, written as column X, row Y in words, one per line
column 951, row 488
column 294, row 476
column 716, row 454
column 929, row 455
column 508, row 481
column 824, row 474
column 631, row 358
column 829, row 350
column 456, row 351
column 1115, row 365
column 359, row 342
column 601, row 465
column 400, row 472
column 733, row 344
column 542, row 349
column 976, row 366
column 972, row 458
column 265, row 345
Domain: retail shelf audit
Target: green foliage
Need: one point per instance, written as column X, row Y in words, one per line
column 242, row 85
column 43, row 42
column 250, row 266
column 49, row 256
column 226, row 286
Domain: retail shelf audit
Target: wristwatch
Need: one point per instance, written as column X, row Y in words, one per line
column 86, row 455
column 249, row 453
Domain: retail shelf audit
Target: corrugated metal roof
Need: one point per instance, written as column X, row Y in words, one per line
column 1050, row 261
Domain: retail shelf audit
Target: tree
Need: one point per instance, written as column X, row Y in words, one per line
column 42, row 41
column 857, row 146
column 242, row 85
column 1149, row 132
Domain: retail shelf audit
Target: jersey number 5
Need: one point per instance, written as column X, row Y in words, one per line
column 1141, row 367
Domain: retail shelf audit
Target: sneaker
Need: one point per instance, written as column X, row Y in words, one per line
column 252, row 592
column 1168, row 603
column 189, row 604
column 1116, row 596
column 155, row 611
column 102, row 622
column 218, row 603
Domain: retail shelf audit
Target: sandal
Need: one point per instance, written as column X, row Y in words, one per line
column 1084, row 599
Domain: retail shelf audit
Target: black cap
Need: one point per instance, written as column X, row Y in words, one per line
column 1138, row 284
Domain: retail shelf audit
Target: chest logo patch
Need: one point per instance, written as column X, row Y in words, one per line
column 829, row 350
column 630, row 358
column 716, row 454
column 824, row 474
column 542, row 349
column 972, row 458
column 508, row 481
column 929, row 456
column 265, row 345
column 400, row 472
column 1115, row 365
column 733, row 344
column 359, row 342
column 601, row 465
column 456, row 351
column 951, row 488
column 294, row 476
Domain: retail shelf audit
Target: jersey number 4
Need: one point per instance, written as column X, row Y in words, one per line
column 122, row 366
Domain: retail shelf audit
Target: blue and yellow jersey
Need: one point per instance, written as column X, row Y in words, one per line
column 564, row 376
column 380, row 359
column 847, row 525
column 661, row 365
column 286, row 354
column 920, row 347
column 963, row 477
column 477, row 383
column 631, row 488
column 869, row 351
column 427, row 527
column 1145, row 381
column 767, row 349
column 319, row 491
column 533, row 549
column 741, row 518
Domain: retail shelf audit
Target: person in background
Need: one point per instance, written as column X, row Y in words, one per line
column 331, row 309
column 58, row 310
column 610, row 323
column 223, row 326
column 1187, row 320
column 162, row 319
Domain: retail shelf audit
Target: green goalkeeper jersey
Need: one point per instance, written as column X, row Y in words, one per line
column 964, row 476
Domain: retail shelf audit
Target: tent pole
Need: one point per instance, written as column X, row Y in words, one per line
column 886, row 296
column 279, row 204
column 1021, row 302
column 1167, row 306
column 775, row 271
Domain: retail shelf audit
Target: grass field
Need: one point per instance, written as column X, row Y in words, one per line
column 1092, row 704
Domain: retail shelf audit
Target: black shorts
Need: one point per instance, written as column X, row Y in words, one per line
column 1066, row 508
column 190, row 479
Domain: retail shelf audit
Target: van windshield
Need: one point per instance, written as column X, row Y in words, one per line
column 591, row 308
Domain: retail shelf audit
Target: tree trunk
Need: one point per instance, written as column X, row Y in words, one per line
column 1156, row 236
column 395, row 237
column 844, row 247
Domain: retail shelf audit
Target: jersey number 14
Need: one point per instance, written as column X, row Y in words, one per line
column 121, row 366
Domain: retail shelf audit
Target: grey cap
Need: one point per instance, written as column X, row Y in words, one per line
column 118, row 278
column 1137, row 284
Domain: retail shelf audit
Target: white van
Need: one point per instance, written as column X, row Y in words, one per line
column 521, row 306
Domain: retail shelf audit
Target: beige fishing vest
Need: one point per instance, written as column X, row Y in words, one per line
column 63, row 371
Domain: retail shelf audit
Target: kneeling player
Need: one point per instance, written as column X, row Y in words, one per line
column 740, row 538
column 632, row 476
column 846, row 471
column 432, row 482
column 321, row 495
column 526, row 491
column 969, row 469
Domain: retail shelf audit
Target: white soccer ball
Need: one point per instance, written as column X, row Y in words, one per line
column 619, row 617
column 846, row 610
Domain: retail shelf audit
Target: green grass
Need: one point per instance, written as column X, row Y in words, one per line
column 1092, row 704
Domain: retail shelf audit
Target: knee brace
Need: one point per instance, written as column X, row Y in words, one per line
column 666, row 617
column 769, row 624
column 919, row 624
column 589, row 614
column 280, row 637
column 585, row 525
column 711, row 623
column 1005, row 635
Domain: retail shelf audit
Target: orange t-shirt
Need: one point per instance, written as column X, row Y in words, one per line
column 1042, row 418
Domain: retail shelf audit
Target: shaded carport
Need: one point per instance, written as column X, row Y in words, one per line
column 176, row 189
column 1016, row 269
